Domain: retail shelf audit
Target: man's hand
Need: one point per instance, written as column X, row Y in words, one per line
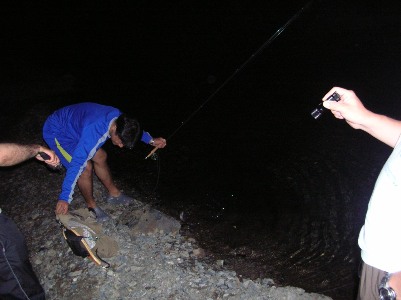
column 395, row 283
column 349, row 107
column 159, row 142
column 61, row 207
column 53, row 161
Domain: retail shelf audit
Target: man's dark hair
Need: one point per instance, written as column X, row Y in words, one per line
column 128, row 130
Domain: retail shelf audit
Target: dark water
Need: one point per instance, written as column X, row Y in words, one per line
column 254, row 178
column 277, row 195
column 284, row 201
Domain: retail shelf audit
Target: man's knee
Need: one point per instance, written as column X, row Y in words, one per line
column 100, row 156
column 88, row 169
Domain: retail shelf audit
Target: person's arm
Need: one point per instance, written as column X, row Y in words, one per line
column 158, row 142
column 351, row 109
column 12, row 154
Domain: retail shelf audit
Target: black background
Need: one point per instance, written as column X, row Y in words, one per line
column 240, row 148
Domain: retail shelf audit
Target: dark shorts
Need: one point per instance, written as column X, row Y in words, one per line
column 369, row 283
column 17, row 278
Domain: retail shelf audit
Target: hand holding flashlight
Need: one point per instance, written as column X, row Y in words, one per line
column 320, row 109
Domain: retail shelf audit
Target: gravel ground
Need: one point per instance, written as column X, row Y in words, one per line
column 157, row 264
column 149, row 265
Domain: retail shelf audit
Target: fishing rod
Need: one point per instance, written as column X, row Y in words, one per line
column 237, row 71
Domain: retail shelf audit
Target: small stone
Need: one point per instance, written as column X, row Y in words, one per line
column 75, row 273
column 220, row 262
column 199, row 252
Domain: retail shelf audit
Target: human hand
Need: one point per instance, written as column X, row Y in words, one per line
column 159, row 142
column 349, row 107
column 53, row 159
column 61, row 207
column 395, row 282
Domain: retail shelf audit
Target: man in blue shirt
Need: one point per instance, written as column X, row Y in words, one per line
column 76, row 133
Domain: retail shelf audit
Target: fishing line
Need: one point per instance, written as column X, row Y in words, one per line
column 238, row 70
column 268, row 42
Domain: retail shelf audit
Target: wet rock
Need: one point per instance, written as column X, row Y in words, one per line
column 150, row 220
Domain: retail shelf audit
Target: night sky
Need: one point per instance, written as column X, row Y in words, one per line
column 161, row 60
column 164, row 54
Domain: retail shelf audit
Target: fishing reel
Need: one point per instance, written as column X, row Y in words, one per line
column 154, row 156
column 320, row 109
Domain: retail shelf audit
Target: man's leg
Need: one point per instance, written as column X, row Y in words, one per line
column 17, row 278
column 102, row 171
column 85, row 184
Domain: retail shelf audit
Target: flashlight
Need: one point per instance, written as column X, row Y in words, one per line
column 59, row 168
column 320, row 109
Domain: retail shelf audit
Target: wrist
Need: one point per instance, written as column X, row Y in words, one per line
column 36, row 149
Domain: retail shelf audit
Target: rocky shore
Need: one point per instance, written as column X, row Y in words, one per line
column 155, row 261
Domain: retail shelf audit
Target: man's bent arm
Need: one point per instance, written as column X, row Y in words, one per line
column 12, row 154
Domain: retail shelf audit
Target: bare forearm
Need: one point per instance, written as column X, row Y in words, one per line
column 12, row 154
column 383, row 128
